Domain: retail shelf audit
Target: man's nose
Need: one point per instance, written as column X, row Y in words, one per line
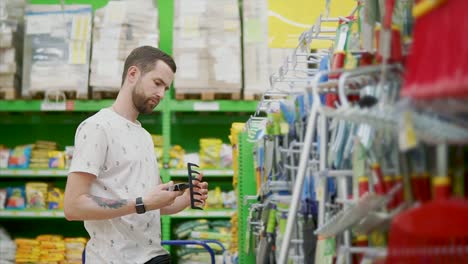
column 160, row 93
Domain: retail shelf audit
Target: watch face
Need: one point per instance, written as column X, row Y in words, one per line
column 140, row 207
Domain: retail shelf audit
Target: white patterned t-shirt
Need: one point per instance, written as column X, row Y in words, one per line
column 121, row 155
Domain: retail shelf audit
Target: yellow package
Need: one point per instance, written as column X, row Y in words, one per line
column 28, row 251
column 157, row 140
column 76, row 240
column 74, row 246
column 176, row 155
column 46, row 237
column 26, row 241
column 210, row 153
column 55, row 199
column 51, row 245
column 54, row 251
column 36, row 193
column 57, row 159
column 53, row 257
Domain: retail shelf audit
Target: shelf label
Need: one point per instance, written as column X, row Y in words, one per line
column 7, row 172
column 70, row 105
column 206, row 106
column 53, row 106
column 25, row 172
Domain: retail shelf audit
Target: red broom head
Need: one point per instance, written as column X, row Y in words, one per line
column 437, row 66
column 435, row 232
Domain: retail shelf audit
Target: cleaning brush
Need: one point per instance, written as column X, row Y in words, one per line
column 437, row 65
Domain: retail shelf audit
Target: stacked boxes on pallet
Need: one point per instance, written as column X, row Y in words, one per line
column 207, row 46
column 56, row 49
column 260, row 61
column 119, row 27
column 11, row 45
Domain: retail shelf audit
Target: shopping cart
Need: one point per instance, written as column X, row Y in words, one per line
column 203, row 243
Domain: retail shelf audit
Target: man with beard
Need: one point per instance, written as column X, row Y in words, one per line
column 113, row 183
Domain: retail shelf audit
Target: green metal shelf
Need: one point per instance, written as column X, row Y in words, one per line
column 206, row 173
column 212, row 106
column 215, row 213
column 31, row 214
column 40, row 105
column 96, row 105
column 33, row 173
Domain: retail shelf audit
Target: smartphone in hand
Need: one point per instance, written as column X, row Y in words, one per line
column 178, row 187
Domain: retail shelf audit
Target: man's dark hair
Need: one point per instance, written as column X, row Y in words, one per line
column 145, row 57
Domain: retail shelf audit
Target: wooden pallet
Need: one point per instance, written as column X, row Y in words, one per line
column 70, row 95
column 250, row 96
column 205, row 95
column 8, row 93
column 98, row 95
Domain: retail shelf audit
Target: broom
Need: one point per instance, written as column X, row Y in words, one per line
column 437, row 66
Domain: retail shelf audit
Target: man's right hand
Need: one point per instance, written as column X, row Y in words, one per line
column 160, row 197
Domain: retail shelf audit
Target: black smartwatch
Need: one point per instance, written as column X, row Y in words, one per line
column 140, row 207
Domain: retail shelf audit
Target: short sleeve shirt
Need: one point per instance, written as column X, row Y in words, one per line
column 121, row 155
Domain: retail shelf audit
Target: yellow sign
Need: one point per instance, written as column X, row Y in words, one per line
column 288, row 19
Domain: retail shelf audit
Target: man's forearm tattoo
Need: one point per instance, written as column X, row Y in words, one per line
column 108, row 203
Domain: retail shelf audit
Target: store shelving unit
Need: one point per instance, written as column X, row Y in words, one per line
column 34, row 214
column 24, row 121
column 32, row 173
column 208, row 173
column 210, row 213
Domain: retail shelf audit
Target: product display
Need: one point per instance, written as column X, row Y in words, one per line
column 207, row 46
column 346, row 166
column 202, row 229
column 11, row 47
column 260, row 60
column 7, row 247
column 118, row 28
column 40, row 155
column 57, row 44
column 33, row 195
column 350, row 145
column 49, row 249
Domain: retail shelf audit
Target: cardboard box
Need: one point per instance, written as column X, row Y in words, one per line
column 120, row 27
column 260, row 61
column 57, row 48
column 207, row 47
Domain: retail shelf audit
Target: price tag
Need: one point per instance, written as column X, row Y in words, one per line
column 44, row 172
column 330, row 246
column 407, row 138
column 7, row 172
column 26, row 172
column 53, row 106
column 206, row 106
column 342, row 37
column 70, row 105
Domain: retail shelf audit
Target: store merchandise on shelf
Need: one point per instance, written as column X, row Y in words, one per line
column 213, row 154
column 43, row 249
column 11, row 45
column 202, row 229
column 56, row 37
column 39, row 155
column 207, row 47
column 342, row 162
column 33, row 195
column 118, row 28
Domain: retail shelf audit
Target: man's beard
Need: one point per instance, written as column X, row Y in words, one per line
column 139, row 100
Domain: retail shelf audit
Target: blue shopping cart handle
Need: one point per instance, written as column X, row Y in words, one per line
column 203, row 243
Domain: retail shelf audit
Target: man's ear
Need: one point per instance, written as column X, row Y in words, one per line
column 133, row 73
